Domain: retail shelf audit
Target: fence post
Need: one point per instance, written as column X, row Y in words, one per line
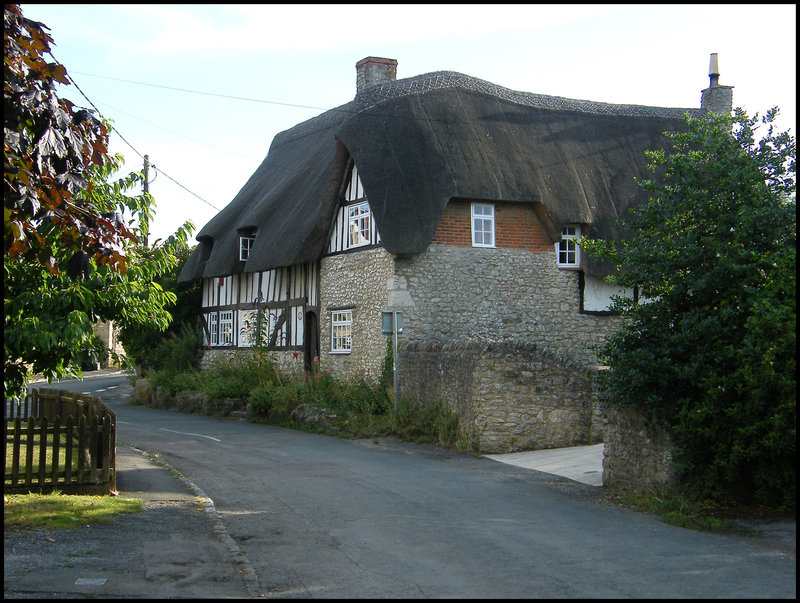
column 15, row 454
column 42, row 450
column 105, row 449
column 93, row 448
column 56, row 448
column 29, row 454
column 81, row 447
column 70, row 436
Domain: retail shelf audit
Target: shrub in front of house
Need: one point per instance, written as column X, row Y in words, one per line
column 315, row 399
column 277, row 400
column 232, row 377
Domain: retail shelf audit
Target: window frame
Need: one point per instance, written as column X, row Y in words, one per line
column 342, row 343
column 484, row 218
column 358, row 220
column 568, row 245
column 213, row 328
column 245, row 247
column 225, row 333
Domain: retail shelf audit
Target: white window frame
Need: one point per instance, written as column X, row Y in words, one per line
column 245, row 245
column 212, row 328
column 568, row 252
column 359, row 225
column 482, row 224
column 226, row 327
column 341, row 331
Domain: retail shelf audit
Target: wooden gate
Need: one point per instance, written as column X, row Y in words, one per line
column 59, row 440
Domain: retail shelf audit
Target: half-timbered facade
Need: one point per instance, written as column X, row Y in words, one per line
column 459, row 203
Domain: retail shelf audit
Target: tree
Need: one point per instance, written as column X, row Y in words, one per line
column 70, row 259
column 710, row 349
column 142, row 341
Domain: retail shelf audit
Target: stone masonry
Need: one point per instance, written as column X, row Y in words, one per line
column 509, row 396
column 357, row 281
column 637, row 453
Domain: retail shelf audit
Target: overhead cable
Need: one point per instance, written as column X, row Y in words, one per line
column 74, row 83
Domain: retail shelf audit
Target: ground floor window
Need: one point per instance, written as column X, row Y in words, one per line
column 220, row 328
column 226, row 328
column 212, row 328
column 341, row 331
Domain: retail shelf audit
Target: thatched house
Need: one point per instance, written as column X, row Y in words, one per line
column 457, row 202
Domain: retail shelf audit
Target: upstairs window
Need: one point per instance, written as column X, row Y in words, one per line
column 245, row 245
column 482, row 225
column 569, row 253
column 359, row 227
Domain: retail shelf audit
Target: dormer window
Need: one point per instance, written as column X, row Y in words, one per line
column 567, row 249
column 359, row 225
column 246, row 239
column 482, row 225
column 353, row 227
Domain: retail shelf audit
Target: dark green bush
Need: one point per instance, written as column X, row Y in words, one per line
column 176, row 381
column 360, row 408
column 712, row 354
column 179, row 351
column 277, row 400
column 231, row 377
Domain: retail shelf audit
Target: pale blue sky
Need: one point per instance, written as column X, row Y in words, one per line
column 292, row 57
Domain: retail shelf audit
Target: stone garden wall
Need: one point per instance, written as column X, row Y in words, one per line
column 638, row 453
column 509, row 396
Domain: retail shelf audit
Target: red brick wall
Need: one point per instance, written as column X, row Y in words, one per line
column 516, row 227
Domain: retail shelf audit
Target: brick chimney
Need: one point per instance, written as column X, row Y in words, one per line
column 373, row 70
column 716, row 98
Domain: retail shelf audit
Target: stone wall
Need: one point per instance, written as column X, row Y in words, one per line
column 108, row 333
column 460, row 293
column 638, row 453
column 357, row 281
column 509, row 396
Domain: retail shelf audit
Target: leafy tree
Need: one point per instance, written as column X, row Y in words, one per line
column 70, row 259
column 710, row 349
column 143, row 342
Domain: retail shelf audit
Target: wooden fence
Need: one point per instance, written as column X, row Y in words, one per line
column 59, row 440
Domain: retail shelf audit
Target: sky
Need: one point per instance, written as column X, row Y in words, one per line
column 203, row 89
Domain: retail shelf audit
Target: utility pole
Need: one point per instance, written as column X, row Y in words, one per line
column 146, row 190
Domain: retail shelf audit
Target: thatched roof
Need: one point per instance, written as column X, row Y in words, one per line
column 421, row 141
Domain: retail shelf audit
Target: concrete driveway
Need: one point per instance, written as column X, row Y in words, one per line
column 580, row 463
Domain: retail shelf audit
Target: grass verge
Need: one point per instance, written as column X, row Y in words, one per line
column 678, row 509
column 56, row 510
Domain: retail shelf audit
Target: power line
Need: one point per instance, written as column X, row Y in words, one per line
column 149, row 123
column 130, row 145
column 252, row 100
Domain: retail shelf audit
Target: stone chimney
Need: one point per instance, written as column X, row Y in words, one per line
column 372, row 71
column 716, row 99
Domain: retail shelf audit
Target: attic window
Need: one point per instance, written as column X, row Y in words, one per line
column 482, row 225
column 359, row 221
column 569, row 253
column 245, row 245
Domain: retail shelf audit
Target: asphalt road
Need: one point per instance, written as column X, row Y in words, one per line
column 320, row 517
